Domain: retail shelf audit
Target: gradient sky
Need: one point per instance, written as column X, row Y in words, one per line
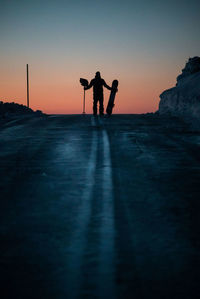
column 142, row 43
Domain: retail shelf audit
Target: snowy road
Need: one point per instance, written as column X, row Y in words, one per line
column 99, row 208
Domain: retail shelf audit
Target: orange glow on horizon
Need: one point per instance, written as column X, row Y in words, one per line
column 67, row 97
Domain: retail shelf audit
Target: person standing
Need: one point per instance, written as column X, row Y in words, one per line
column 97, row 83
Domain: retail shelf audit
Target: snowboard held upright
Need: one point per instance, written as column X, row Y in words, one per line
column 112, row 97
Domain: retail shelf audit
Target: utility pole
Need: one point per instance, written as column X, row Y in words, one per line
column 27, row 81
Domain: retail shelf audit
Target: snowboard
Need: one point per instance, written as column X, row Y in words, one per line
column 112, row 97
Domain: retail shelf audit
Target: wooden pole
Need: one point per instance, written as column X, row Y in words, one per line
column 27, row 81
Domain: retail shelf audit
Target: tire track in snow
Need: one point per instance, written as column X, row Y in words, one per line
column 106, row 270
column 78, row 243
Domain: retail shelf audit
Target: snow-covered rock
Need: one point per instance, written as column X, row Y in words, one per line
column 184, row 99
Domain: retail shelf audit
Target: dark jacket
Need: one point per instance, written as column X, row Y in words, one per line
column 98, row 84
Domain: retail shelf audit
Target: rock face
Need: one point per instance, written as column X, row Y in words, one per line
column 184, row 99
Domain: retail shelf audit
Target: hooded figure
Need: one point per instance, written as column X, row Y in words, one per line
column 98, row 84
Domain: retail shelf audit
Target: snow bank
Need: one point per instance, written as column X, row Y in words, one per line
column 14, row 109
column 183, row 100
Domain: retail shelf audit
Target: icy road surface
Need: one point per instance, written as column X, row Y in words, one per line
column 99, row 208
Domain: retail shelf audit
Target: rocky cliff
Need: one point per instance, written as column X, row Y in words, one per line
column 184, row 99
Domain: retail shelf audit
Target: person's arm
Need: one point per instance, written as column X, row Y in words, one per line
column 105, row 85
column 90, row 85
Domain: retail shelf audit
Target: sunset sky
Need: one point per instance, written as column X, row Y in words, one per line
column 142, row 43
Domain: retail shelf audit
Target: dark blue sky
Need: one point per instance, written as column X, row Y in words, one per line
column 130, row 40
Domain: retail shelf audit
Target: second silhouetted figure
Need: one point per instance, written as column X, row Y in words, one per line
column 98, row 84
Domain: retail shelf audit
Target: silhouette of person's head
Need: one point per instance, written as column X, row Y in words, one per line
column 98, row 75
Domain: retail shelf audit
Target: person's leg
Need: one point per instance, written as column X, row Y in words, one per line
column 101, row 107
column 94, row 106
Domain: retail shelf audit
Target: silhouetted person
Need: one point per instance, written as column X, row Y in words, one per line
column 98, row 84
